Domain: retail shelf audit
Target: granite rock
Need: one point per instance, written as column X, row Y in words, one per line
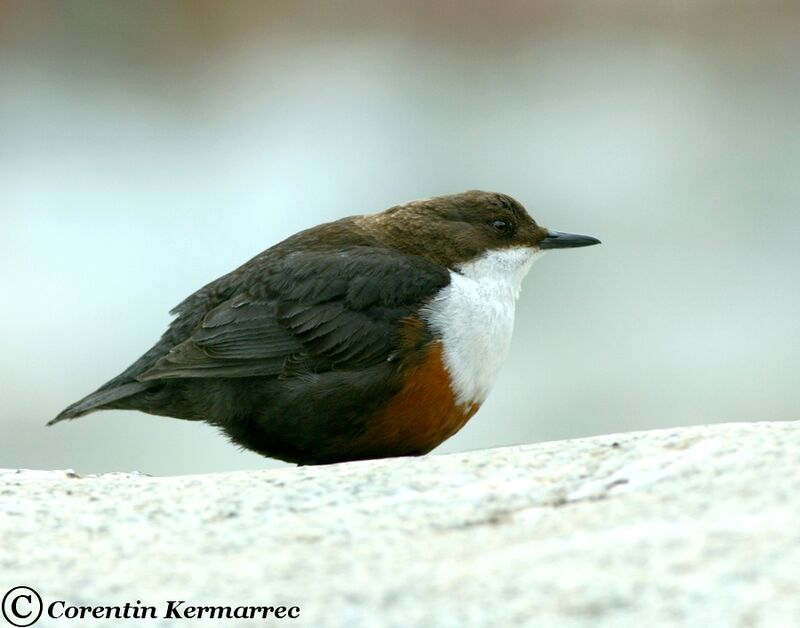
column 679, row 527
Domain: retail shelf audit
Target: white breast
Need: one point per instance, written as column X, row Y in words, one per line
column 474, row 316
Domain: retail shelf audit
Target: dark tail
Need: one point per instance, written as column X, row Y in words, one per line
column 120, row 388
column 103, row 398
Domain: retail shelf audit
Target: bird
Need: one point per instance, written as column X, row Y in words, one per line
column 373, row 336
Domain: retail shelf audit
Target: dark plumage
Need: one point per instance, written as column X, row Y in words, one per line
column 294, row 353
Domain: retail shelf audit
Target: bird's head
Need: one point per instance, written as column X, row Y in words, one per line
column 461, row 230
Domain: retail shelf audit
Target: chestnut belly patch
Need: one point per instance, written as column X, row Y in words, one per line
column 423, row 414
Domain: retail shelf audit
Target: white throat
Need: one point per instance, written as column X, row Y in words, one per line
column 474, row 316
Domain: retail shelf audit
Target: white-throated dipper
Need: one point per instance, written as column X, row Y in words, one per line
column 371, row 336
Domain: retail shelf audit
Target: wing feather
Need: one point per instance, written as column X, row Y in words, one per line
column 314, row 311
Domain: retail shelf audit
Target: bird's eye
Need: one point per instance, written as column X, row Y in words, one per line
column 502, row 226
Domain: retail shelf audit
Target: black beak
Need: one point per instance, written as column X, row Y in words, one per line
column 559, row 240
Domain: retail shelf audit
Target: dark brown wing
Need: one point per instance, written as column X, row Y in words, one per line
column 314, row 311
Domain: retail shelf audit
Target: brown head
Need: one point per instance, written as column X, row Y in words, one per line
column 454, row 229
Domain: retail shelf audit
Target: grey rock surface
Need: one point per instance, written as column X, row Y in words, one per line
column 681, row 527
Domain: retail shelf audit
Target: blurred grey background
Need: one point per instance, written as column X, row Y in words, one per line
column 148, row 147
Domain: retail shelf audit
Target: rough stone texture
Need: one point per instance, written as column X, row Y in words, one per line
column 681, row 527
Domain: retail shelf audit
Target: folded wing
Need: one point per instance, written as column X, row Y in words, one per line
column 314, row 311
